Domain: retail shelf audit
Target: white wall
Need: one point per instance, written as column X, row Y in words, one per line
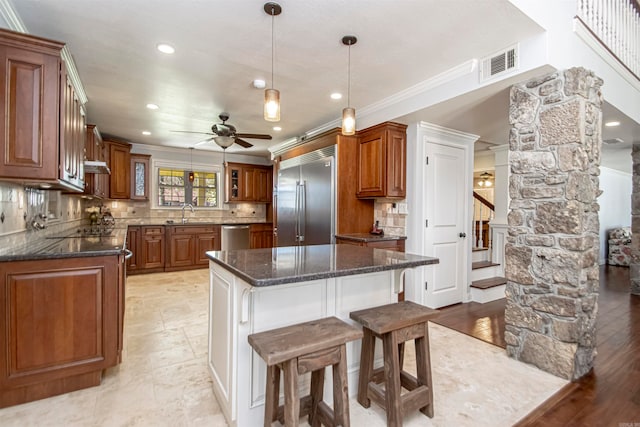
column 615, row 204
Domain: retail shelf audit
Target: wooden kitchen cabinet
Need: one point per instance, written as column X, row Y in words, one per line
column 72, row 133
column 263, row 183
column 152, row 241
column 261, row 235
column 148, row 244
column 248, row 183
column 140, row 176
column 134, row 245
column 63, row 325
column 42, row 129
column 96, row 184
column 120, row 165
column 382, row 161
column 187, row 244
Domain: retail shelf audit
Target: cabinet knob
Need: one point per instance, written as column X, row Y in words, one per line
column 463, row 235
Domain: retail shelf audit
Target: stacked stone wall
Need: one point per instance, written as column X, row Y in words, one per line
column 551, row 254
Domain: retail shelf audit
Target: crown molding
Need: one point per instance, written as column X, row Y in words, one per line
column 286, row 145
column 15, row 23
column 74, row 76
column 447, row 76
column 9, row 14
column 446, row 134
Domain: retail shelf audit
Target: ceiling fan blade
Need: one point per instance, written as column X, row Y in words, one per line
column 243, row 143
column 187, row 131
column 253, row 135
column 203, row 142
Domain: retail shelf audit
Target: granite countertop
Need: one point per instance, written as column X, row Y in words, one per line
column 366, row 237
column 70, row 245
column 277, row 266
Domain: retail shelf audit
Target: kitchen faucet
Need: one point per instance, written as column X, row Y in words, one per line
column 184, row 205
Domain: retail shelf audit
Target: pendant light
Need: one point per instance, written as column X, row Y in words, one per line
column 349, row 113
column 192, row 176
column 272, row 96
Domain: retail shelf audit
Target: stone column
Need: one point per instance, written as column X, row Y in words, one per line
column 552, row 243
column 635, row 222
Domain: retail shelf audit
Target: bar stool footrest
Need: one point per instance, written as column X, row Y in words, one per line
column 415, row 399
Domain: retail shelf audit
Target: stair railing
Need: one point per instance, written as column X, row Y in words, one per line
column 616, row 25
column 478, row 224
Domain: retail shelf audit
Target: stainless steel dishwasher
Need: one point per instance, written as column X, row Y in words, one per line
column 235, row 237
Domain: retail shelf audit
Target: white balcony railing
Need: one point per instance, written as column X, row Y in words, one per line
column 616, row 23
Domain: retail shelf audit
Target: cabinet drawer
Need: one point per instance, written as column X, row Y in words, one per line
column 153, row 230
column 195, row 229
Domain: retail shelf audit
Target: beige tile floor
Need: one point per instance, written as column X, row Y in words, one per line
column 163, row 379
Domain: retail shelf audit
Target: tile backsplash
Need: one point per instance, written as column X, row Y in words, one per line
column 19, row 206
column 133, row 212
column 393, row 220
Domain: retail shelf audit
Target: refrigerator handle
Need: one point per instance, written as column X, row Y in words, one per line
column 303, row 209
column 297, row 210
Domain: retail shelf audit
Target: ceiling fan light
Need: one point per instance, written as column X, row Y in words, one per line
column 224, row 141
column 348, row 121
column 272, row 105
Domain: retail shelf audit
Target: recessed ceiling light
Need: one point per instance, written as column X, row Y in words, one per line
column 152, row 106
column 166, row 48
column 336, row 95
column 612, row 123
column 146, row 132
column 259, row 84
column 277, row 128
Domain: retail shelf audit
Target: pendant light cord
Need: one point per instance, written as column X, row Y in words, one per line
column 273, row 49
column 349, row 79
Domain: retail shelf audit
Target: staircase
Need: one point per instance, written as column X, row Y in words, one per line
column 487, row 282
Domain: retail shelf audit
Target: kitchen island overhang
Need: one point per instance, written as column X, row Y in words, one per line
column 260, row 289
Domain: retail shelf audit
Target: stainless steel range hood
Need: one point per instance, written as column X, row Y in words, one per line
column 94, row 166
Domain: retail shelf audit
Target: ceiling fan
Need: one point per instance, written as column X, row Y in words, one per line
column 225, row 134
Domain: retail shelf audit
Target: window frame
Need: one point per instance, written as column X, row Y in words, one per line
column 186, row 166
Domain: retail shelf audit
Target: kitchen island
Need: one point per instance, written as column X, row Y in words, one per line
column 260, row 289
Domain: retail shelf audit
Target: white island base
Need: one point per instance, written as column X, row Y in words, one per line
column 238, row 309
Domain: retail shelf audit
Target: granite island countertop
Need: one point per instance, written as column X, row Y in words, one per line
column 67, row 245
column 368, row 238
column 291, row 264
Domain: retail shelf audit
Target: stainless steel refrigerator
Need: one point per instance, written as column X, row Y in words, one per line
column 306, row 199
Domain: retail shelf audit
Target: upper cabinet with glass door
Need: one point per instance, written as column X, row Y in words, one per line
column 140, row 176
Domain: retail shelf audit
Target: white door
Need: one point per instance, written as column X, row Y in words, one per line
column 445, row 238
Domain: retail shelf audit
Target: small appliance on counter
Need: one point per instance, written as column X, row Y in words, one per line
column 376, row 231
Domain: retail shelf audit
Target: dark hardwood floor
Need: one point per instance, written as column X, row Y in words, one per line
column 610, row 394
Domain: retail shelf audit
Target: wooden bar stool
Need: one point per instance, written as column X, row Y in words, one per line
column 302, row 348
column 394, row 324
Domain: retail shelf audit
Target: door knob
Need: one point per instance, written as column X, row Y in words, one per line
column 462, row 234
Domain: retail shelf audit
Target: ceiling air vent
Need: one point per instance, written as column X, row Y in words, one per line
column 499, row 63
